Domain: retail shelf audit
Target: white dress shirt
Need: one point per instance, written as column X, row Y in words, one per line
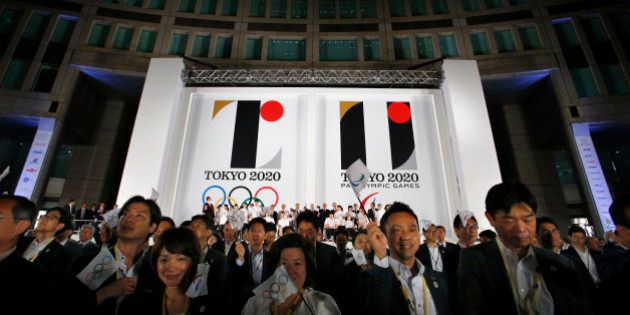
column 436, row 258
column 589, row 263
column 417, row 285
column 35, row 248
column 256, row 260
column 528, row 286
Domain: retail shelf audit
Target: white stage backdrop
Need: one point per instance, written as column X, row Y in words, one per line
column 290, row 145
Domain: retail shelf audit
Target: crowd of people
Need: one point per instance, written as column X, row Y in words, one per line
column 144, row 263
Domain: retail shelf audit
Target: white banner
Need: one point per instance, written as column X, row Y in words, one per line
column 241, row 149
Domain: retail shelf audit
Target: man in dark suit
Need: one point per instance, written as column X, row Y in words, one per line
column 327, row 261
column 547, row 283
column 208, row 208
column 430, row 254
column 83, row 214
column 138, row 218
column 26, row 288
column 202, row 227
column 71, row 207
column 400, row 283
column 441, row 238
column 64, row 237
column 580, row 254
column 614, row 266
column 248, row 265
column 86, row 234
column 43, row 249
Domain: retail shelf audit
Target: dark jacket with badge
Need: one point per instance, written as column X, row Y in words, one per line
column 486, row 289
column 382, row 294
column 85, row 299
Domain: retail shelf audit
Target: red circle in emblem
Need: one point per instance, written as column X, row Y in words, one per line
column 271, row 111
column 399, row 112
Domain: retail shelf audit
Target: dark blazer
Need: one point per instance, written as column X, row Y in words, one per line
column 485, row 288
column 240, row 279
column 73, row 247
column 381, row 292
column 89, row 248
column 148, row 281
column 26, row 288
column 614, row 270
column 88, row 215
column 218, row 269
column 425, row 257
column 590, row 286
column 53, row 258
column 151, row 303
column 329, row 266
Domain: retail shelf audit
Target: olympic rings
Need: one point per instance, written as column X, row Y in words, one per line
column 233, row 202
column 98, row 269
column 203, row 196
column 240, row 187
column 250, row 200
column 221, row 200
column 270, row 188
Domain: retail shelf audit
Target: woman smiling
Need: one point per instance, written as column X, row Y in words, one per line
column 294, row 252
column 175, row 259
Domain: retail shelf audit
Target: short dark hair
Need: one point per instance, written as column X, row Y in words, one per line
column 207, row 221
column 359, row 231
column 458, row 224
column 295, row 240
column 270, row 227
column 23, row 209
column 286, row 228
column 541, row 220
column 340, row 230
column 503, row 196
column 396, row 207
column 167, row 219
column 154, row 209
column 488, row 233
column 620, row 211
column 260, row 221
column 180, row 241
column 63, row 217
column 574, row 228
column 185, row 223
column 440, row 227
column 308, row 217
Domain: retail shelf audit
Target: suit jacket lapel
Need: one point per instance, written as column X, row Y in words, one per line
column 399, row 301
column 499, row 275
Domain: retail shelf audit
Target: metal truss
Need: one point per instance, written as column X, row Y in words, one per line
column 311, row 77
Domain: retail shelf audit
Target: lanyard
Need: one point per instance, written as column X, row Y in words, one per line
column 525, row 304
column 437, row 259
column 425, row 294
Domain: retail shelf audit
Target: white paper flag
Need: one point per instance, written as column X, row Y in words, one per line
column 465, row 215
column 359, row 257
column 358, row 176
column 199, row 285
column 98, row 270
column 111, row 217
column 154, row 194
column 278, row 287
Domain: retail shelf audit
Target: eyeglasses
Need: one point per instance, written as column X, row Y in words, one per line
column 472, row 226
